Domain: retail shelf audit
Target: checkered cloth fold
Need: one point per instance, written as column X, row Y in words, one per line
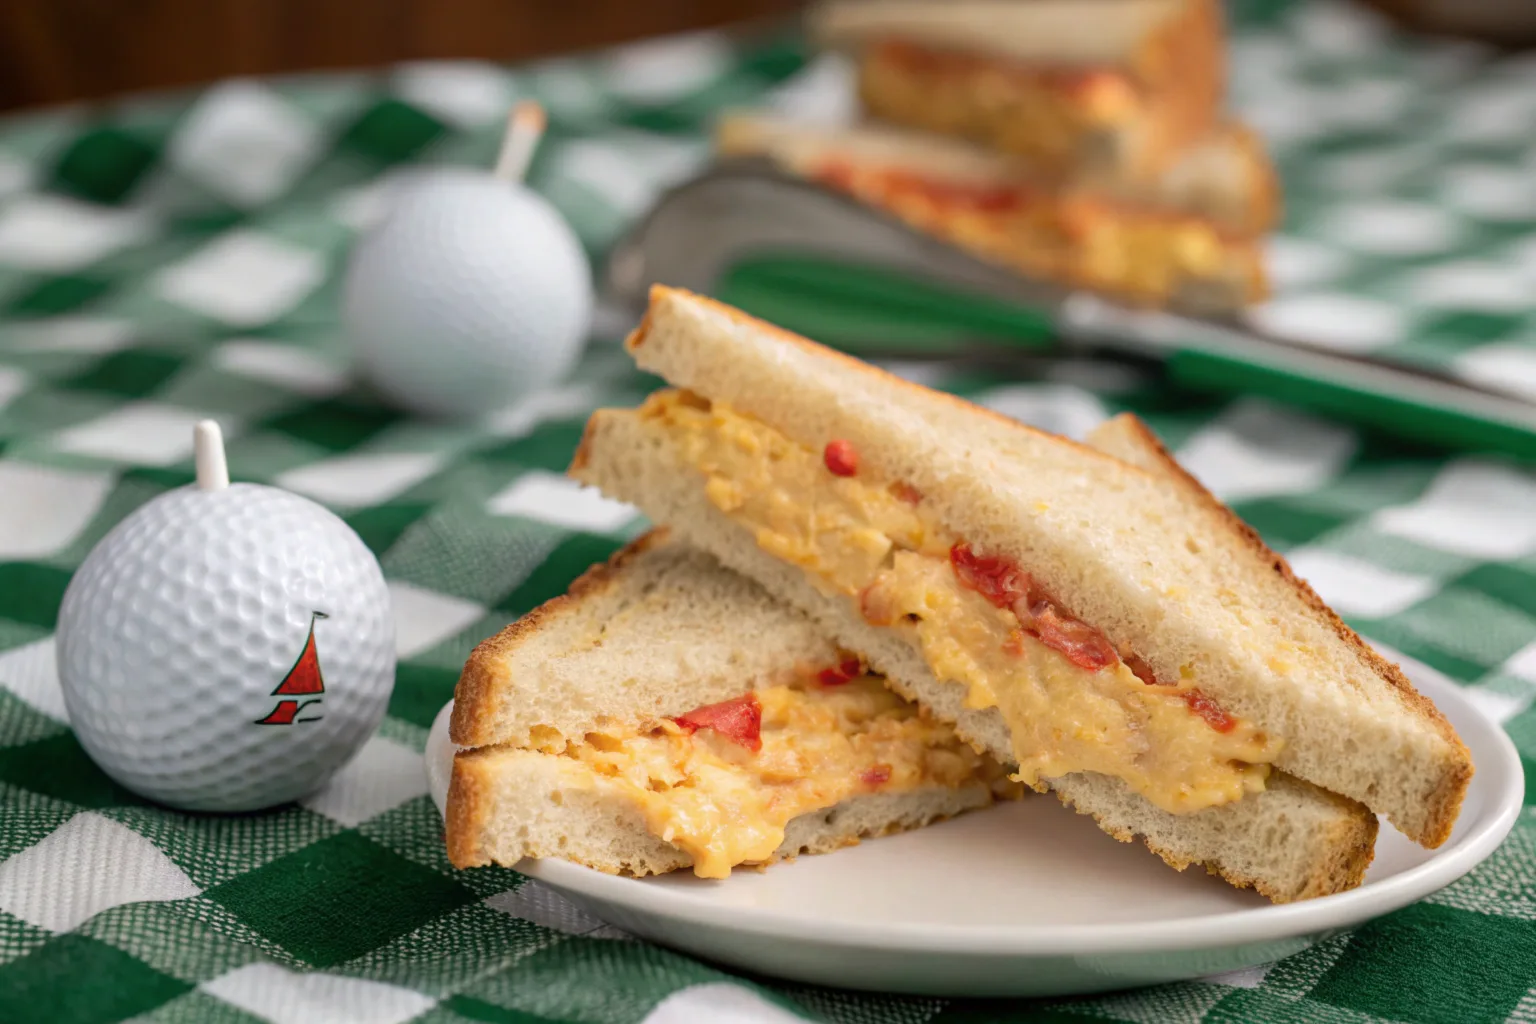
column 170, row 258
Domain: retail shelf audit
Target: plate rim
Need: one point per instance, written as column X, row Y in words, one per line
column 1498, row 763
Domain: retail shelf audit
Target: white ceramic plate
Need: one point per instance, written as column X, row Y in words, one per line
column 1025, row 899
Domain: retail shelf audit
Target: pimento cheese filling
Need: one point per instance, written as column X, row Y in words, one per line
column 722, row 782
column 1072, row 701
column 1134, row 248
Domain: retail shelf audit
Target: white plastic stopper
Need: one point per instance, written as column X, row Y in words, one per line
column 525, row 126
column 208, row 451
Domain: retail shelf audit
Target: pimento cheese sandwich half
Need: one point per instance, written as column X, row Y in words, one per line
column 1086, row 614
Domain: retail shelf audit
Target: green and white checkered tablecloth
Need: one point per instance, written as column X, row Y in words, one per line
column 173, row 258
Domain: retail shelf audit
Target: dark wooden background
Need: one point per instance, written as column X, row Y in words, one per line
column 52, row 51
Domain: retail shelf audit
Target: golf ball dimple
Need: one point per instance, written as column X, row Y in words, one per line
column 202, row 622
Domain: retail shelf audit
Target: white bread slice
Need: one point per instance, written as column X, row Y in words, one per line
column 505, row 804
column 1049, row 32
column 1163, row 570
column 648, row 634
column 1226, row 177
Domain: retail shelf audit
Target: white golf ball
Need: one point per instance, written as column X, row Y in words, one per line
column 226, row 650
column 471, row 294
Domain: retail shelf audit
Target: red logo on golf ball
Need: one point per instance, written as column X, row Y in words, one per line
column 302, row 681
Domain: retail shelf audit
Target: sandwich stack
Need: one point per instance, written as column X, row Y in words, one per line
column 668, row 713
column 1078, row 141
column 1084, row 618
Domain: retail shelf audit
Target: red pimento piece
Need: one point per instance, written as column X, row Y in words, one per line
column 996, row 579
column 950, row 194
column 1208, row 709
column 1083, row 645
column 876, row 775
column 1006, row 585
column 841, row 457
column 841, row 673
column 1213, row 713
column 883, row 187
column 906, row 492
column 1142, row 670
column 838, row 174
column 739, row 720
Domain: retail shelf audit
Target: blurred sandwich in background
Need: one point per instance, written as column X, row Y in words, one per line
column 1080, row 141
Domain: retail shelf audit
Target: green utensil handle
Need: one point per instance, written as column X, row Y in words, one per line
column 853, row 306
column 1358, row 403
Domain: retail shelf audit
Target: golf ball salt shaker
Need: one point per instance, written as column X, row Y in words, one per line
column 227, row 646
column 472, row 293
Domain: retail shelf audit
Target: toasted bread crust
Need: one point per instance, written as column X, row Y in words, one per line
column 583, row 453
column 467, row 812
column 1447, row 801
column 1267, row 204
column 1187, row 57
column 485, row 672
